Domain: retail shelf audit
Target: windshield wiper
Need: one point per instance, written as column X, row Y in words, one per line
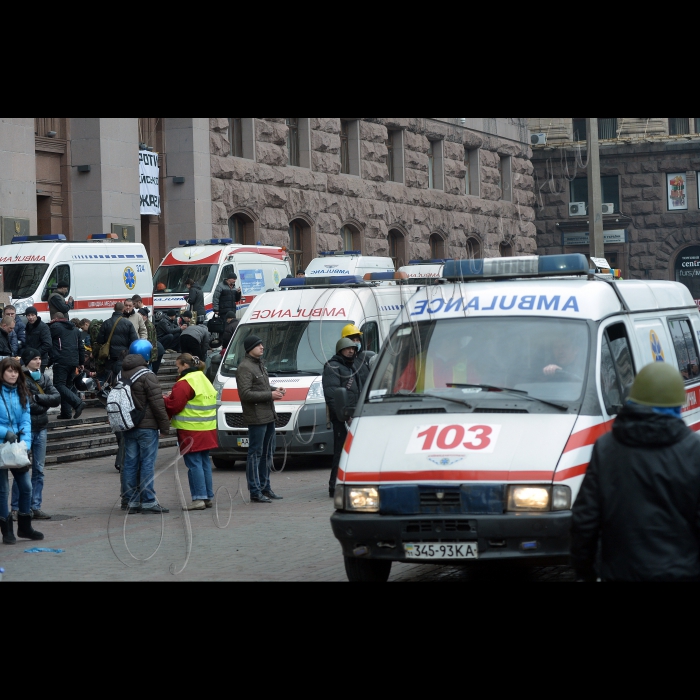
column 403, row 394
column 520, row 392
column 297, row 371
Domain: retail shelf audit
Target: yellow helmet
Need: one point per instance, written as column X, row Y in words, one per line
column 350, row 329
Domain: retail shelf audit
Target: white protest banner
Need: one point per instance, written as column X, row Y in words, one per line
column 149, row 177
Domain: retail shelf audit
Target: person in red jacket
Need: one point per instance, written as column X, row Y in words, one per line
column 191, row 405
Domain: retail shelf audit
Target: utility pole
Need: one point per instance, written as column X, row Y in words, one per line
column 595, row 198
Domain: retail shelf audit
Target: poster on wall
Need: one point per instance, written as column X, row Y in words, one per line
column 149, row 179
column 677, row 191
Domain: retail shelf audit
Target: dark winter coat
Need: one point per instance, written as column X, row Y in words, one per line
column 341, row 372
column 58, row 304
column 641, row 498
column 147, row 394
column 255, row 392
column 44, row 396
column 5, row 346
column 167, row 327
column 124, row 335
column 225, row 298
column 38, row 337
column 66, row 348
column 18, row 337
column 196, row 302
column 229, row 330
column 200, row 333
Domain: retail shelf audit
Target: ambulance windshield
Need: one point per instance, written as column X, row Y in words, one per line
column 21, row 281
column 171, row 278
column 290, row 347
column 469, row 358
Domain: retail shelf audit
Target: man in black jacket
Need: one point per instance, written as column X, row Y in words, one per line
column 641, row 494
column 229, row 329
column 343, row 370
column 226, row 296
column 38, row 335
column 196, row 300
column 168, row 331
column 67, row 354
column 124, row 335
column 6, row 327
column 58, row 302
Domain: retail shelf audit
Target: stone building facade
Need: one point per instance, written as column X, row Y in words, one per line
column 405, row 187
column 649, row 171
column 386, row 186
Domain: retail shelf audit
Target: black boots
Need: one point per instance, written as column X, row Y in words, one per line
column 25, row 529
column 8, row 535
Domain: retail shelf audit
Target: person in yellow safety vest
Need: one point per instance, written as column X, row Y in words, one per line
column 353, row 332
column 442, row 363
column 191, row 405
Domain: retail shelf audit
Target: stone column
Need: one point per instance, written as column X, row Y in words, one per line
column 188, row 213
column 18, row 170
column 109, row 193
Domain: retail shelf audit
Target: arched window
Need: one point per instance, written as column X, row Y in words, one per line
column 506, row 250
column 437, row 246
column 397, row 248
column 350, row 238
column 473, row 251
column 296, row 246
column 236, row 229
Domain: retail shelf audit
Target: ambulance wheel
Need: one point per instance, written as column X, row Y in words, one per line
column 367, row 570
column 221, row 463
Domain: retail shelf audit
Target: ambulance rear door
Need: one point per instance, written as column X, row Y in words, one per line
column 653, row 342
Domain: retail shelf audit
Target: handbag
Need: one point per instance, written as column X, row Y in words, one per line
column 104, row 349
column 14, row 455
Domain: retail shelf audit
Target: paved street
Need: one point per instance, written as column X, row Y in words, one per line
column 290, row 540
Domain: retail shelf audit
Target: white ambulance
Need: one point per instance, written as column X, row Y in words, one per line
column 99, row 272
column 207, row 262
column 473, row 435
column 300, row 326
column 424, row 271
column 350, row 262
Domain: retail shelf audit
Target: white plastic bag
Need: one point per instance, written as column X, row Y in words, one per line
column 14, row 455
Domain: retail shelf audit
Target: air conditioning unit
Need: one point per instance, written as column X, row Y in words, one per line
column 577, row 209
column 538, row 139
column 608, row 208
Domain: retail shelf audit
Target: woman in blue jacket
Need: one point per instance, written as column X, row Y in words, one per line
column 15, row 426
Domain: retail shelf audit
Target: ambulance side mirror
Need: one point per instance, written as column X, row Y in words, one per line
column 342, row 412
column 615, row 409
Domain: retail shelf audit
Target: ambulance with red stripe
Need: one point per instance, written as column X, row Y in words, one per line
column 99, row 272
column 257, row 267
column 474, row 432
column 300, row 325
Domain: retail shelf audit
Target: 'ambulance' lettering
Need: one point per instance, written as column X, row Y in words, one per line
column 570, row 302
column 527, row 303
column 505, row 303
column 301, row 313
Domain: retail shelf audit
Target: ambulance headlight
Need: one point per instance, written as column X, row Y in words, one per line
column 22, row 306
column 219, row 386
column 362, row 498
column 316, row 391
column 521, row 498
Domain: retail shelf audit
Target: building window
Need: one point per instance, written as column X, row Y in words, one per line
column 296, row 246
column 437, row 247
column 350, row 146
column 506, row 250
column 236, row 229
column 390, row 154
column 350, row 238
column 431, row 167
column 397, row 248
column 472, row 176
column 607, row 129
column 505, row 178
column 436, row 179
column 678, row 126
column 235, row 137
column 293, row 141
column 610, row 190
column 473, row 251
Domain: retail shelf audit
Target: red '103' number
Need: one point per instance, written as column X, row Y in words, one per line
column 451, row 437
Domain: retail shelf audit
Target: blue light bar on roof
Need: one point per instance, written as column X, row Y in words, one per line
column 529, row 266
column 341, row 252
column 35, row 239
column 208, row 241
column 336, row 280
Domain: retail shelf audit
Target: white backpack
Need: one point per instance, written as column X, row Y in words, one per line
column 121, row 410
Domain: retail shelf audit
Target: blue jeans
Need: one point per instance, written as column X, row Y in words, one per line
column 38, row 461
column 24, row 481
column 261, row 450
column 199, row 475
column 140, row 452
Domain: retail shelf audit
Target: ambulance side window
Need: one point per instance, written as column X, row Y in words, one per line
column 60, row 273
column 616, row 368
column 684, row 345
column 370, row 336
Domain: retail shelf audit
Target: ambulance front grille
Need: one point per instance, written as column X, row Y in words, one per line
column 235, row 420
column 417, row 411
column 439, row 526
column 440, row 501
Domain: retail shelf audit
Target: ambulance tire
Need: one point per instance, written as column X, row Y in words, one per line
column 367, row 570
column 221, row 463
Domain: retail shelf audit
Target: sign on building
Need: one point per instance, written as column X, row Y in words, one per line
column 149, row 180
column 583, row 237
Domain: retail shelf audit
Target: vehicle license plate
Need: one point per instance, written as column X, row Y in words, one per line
column 242, row 442
column 458, row 550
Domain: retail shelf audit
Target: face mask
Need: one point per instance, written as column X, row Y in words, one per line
column 36, row 375
column 358, row 346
